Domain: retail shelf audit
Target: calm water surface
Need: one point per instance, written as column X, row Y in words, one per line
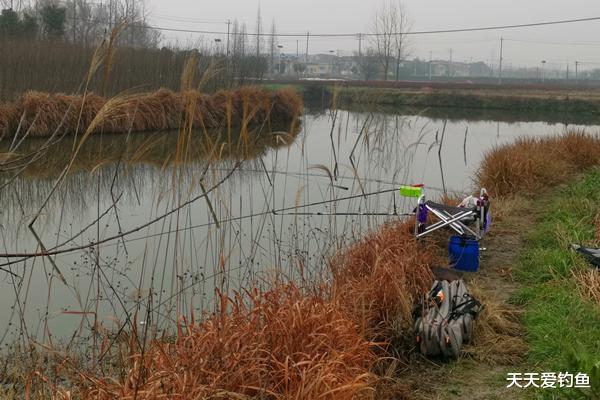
column 247, row 232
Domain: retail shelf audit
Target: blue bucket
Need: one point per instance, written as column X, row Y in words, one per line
column 464, row 253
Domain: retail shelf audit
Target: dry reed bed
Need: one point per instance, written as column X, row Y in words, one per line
column 7, row 116
column 530, row 164
column 42, row 114
column 286, row 342
column 379, row 279
column 280, row 344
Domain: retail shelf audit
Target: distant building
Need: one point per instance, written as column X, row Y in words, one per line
column 334, row 66
column 316, row 70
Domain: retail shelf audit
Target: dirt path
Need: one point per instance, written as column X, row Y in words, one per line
column 469, row 378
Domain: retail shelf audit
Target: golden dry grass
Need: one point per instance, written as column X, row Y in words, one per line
column 7, row 117
column 281, row 344
column 530, row 164
column 378, row 280
column 42, row 113
column 499, row 335
column 588, row 282
column 286, row 342
column 597, row 228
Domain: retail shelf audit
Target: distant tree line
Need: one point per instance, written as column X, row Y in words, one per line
column 80, row 21
column 48, row 46
column 51, row 20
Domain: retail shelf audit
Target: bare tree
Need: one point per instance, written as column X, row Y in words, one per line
column 88, row 20
column 370, row 66
column 390, row 41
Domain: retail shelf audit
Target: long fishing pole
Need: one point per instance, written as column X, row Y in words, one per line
column 360, row 214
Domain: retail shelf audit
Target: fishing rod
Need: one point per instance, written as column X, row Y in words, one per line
column 339, row 177
column 346, row 214
column 20, row 257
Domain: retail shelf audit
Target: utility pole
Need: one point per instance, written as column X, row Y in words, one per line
column 132, row 21
column 258, row 39
column 228, row 30
column 430, row 61
column 74, row 19
column 307, row 39
column 450, row 65
column 543, row 64
column 500, row 70
column 360, row 45
column 576, row 72
column 360, row 56
column 297, row 49
column 110, row 10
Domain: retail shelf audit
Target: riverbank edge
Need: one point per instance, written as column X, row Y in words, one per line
column 562, row 325
column 558, row 102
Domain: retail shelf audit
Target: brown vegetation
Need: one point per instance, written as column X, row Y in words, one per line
column 7, row 116
column 286, row 342
column 531, row 164
column 588, row 282
column 498, row 337
column 43, row 114
column 280, row 344
column 380, row 278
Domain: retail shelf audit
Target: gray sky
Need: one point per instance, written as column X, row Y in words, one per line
column 561, row 43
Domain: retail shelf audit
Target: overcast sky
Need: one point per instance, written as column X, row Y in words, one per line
column 556, row 44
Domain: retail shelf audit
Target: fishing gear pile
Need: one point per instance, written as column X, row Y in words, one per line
column 445, row 319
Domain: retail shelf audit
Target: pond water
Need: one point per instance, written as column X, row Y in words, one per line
column 277, row 208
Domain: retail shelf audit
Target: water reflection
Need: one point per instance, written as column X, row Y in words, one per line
column 247, row 231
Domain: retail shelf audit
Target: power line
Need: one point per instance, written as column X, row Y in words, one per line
column 355, row 35
column 566, row 43
column 277, row 212
column 189, row 20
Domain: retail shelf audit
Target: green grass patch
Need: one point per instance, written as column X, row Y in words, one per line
column 563, row 328
column 279, row 86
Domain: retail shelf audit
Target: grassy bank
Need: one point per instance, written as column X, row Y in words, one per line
column 458, row 114
column 42, row 114
column 532, row 164
column 557, row 290
column 560, row 102
column 562, row 318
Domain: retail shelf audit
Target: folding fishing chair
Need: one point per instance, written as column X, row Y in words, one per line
column 466, row 221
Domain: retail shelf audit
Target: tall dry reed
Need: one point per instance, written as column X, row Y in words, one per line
column 378, row 280
column 286, row 342
column 7, row 117
column 41, row 114
column 530, row 164
column 281, row 344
